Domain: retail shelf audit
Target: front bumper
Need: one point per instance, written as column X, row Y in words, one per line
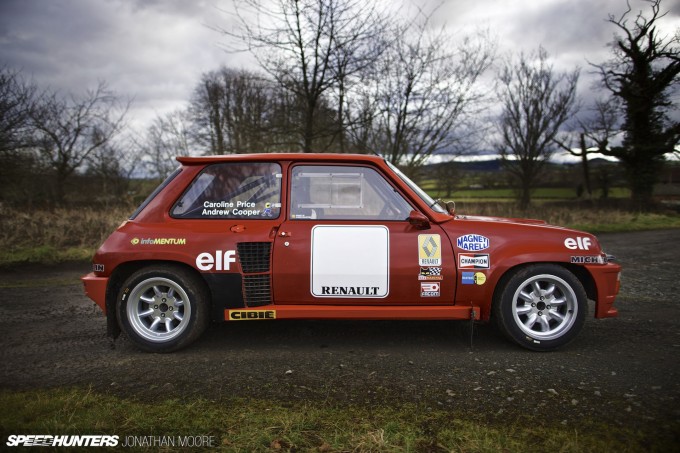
column 607, row 283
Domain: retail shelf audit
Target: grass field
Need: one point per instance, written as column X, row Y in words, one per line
column 249, row 426
column 541, row 194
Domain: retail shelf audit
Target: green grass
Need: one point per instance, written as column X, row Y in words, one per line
column 633, row 222
column 247, row 425
column 39, row 283
column 543, row 193
column 44, row 254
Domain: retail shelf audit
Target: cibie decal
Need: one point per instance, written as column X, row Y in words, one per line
column 220, row 261
column 578, row 243
column 430, row 273
column 250, row 315
column 429, row 250
column 473, row 260
column 473, row 242
column 429, row 289
column 473, row 278
column 588, row 260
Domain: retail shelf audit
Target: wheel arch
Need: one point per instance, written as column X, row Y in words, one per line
column 581, row 274
column 121, row 273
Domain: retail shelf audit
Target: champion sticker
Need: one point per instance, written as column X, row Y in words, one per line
column 473, row 261
column 429, row 250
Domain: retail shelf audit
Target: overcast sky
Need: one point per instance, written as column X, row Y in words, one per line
column 155, row 50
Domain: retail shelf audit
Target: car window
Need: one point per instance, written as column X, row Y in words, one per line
column 339, row 192
column 233, row 191
column 156, row 191
column 420, row 192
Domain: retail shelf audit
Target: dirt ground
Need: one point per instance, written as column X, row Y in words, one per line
column 623, row 371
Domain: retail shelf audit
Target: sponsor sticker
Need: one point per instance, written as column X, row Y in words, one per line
column 473, row 260
column 588, row 260
column 429, row 250
column 220, row 261
column 98, row 267
column 472, row 242
column 429, row 289
column 430, row 273
column 349, row 290
column 473, row 278
column 158, row 241
column 580, row 243
column 251, row 315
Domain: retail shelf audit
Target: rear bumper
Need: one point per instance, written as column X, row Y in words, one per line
column 95, row 289
column 607, row 282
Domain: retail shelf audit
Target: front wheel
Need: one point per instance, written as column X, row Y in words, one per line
column 163, row 309
column 541, row 307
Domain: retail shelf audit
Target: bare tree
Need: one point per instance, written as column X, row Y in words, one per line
column 17, row 163
column 168, row 136
column 595, row 133
column 109, row 168
column 448, row 177
column 424, row 91
column 17, row 101
column 238, row 111
column 536, row 102
column 67, row 130
column 310, row 48
column 642, row 73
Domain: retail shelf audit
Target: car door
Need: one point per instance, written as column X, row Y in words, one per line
column 346, row 240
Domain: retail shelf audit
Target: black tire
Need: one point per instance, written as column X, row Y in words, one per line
column 541, row 306
column 163, row 308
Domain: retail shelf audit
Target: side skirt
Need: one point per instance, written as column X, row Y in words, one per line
column 347, row 312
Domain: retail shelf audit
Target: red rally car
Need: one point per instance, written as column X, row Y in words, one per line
column 324, row 236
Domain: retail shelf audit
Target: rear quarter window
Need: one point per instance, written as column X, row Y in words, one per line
column 153, row 195
column 232, row 191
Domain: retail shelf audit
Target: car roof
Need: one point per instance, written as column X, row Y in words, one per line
column 268, row 157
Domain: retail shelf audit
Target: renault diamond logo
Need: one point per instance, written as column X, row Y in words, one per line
column 429, row 250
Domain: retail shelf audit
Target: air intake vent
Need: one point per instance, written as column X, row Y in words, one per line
column 255, row 264
column 257, row 290
column 254, row 256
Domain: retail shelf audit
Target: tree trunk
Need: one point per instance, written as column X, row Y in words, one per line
column 641, row 178
column 584, row 164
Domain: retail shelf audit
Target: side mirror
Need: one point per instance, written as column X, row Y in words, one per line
column 418, row 220
column 451, row 207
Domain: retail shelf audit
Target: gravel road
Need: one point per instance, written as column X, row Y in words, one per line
column 622, row 371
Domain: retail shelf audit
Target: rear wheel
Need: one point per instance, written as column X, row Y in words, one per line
column 541, row 307
column 162, row 309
